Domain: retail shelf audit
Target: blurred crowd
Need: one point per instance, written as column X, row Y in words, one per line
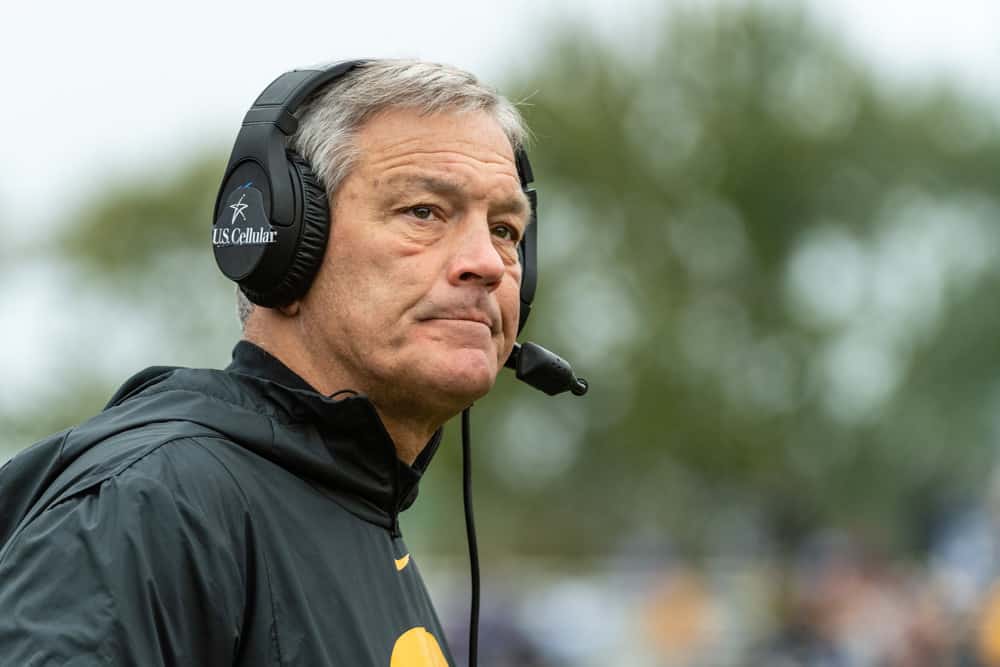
column 835, row 603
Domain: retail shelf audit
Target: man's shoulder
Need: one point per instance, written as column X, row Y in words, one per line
column 168, row 454
column 154, row 413
column 171, row 450
column 153, row 471
column 144, row 437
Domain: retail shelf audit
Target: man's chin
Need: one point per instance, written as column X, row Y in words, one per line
column 463, row 375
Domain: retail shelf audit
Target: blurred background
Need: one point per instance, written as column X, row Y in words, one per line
column 769, row 238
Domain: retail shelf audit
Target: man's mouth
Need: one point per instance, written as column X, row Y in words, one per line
column 470, row 320
column 474, row 318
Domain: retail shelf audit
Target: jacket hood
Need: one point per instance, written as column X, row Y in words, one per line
column 337, row 443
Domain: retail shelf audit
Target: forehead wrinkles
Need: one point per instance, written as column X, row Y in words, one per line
column 448, row 166
column 402, row 136
column 459, row 168
column 417, row 152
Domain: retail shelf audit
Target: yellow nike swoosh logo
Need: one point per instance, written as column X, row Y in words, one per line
column 402, row 562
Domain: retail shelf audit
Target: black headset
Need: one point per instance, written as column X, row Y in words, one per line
column 272, row 218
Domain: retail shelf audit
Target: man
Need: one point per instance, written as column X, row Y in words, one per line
column 250, row 516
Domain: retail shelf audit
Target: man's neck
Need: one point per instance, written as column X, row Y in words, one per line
column 409, row 441
column 409, row 432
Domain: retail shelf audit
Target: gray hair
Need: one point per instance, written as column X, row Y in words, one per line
column 331, row 119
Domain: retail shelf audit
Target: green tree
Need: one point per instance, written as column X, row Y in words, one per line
column 776, row 270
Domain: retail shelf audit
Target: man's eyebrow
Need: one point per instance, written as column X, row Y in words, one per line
column 517, row 204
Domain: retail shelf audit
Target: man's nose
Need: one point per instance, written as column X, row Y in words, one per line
column 477, row 259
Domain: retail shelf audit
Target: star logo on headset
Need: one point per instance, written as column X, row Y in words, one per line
column 238, row 209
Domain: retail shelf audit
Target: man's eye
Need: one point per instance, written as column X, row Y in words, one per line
column 422, row 212
column 505, row 232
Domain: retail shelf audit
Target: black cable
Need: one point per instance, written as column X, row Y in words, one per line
column 470, row 529
column 543, row 370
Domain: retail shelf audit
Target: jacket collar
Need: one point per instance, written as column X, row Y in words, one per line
column 356, row 462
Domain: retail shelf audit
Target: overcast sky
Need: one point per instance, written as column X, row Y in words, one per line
column 96, row 91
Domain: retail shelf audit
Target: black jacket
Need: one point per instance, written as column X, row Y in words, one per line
column 212, row 517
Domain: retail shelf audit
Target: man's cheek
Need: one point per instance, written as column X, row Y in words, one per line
column 511, row 303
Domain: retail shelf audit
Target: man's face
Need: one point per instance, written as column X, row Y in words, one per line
column 416, row 303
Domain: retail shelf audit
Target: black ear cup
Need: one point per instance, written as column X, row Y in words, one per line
column 311, row 204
